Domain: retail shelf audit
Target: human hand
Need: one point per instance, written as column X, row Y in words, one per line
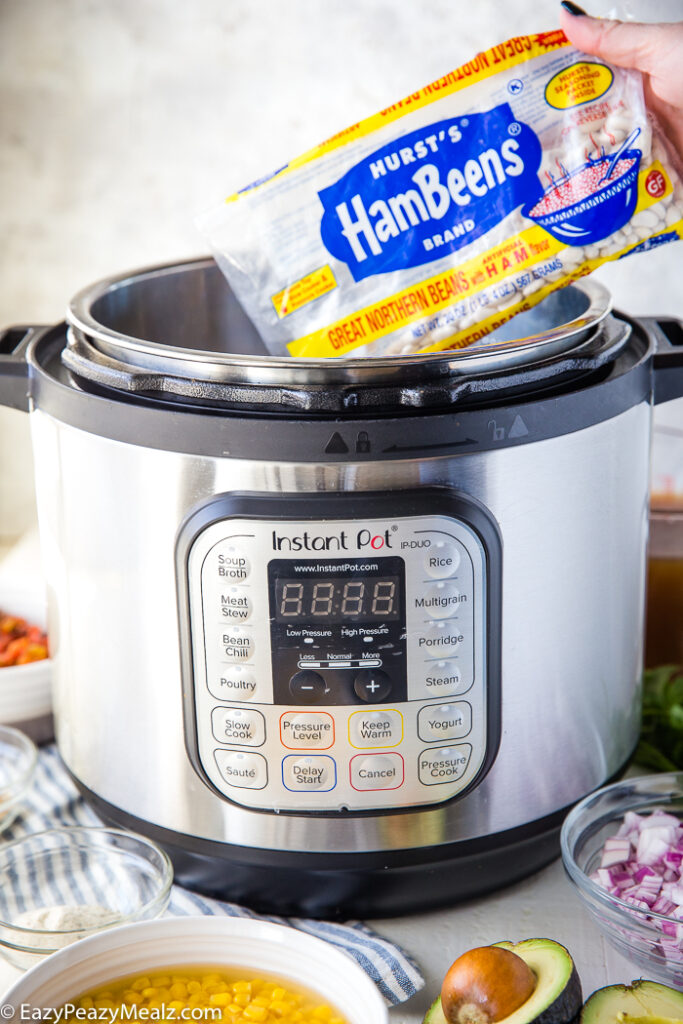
column 655, row 50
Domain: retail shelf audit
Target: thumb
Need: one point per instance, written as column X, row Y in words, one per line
column 628, row 44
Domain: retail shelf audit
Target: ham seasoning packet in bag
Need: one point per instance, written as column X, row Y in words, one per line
column 431, row 223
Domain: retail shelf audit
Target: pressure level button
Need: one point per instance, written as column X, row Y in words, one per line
column 442, row 558
column 372, row 685
column 307, row 687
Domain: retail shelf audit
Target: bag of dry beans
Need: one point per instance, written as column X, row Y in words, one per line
column 430, row 224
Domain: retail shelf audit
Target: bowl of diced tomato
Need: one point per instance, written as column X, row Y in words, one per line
column 25, row 666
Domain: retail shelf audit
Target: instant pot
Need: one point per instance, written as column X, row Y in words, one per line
column 347, row 637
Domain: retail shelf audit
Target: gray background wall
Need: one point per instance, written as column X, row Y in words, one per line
column 121, row 119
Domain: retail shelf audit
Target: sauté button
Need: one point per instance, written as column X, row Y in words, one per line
column 241, row 769
column 314, row 774
column 375, row 728
column 234, row 683
column 232, row 563
column 235, row 605
column 372, row 685
column 442, row 558
column 242, row 726
column 305, row 730
column 376, row 771
column 444, row 721
column 307, row 685
column 439, row 765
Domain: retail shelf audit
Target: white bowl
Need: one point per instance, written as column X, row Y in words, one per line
column 261, row 947
column 26, row 690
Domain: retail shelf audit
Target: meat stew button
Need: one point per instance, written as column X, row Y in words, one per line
column 439, row 765
column 241, row 769
column 376, row 771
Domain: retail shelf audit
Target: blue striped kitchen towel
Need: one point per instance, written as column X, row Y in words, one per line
column 54, row 801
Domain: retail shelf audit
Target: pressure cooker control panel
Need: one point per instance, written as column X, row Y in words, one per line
column 340, row 664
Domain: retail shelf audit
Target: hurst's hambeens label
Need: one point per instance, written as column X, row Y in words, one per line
column 432, row 223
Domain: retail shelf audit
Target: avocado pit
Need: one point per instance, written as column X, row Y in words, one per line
column 486, row 985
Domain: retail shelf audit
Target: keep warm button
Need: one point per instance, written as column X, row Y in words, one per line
column 443, row 764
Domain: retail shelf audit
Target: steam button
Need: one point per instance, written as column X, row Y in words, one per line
column 372, row 685
column 308, row 687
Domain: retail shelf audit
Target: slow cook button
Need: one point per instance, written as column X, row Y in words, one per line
column 232, row 564
column 234, row 683
column 299, row 730
column 440, row 600
column 375, row 728
column 242, row 770
column 444, row 721
column 376, row 771
column 235, row 606
column 237, row 644
column 314, row 774
column 439, row 765
column 442, row 559
column 242, row 726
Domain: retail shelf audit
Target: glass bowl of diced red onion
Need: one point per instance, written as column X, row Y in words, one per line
column 622, row 847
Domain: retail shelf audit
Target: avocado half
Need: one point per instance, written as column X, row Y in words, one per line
column 642, row 1002
column 557, row 997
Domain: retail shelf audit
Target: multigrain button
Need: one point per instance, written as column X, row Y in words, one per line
column 372, row 685
column 316, row 773
column 235, row 605
column 442, row 559
column 440, row 600
column 439, row 765
column 375, row 728
column 444, row 721
column 237, row 644
column 301, row 730
column 241, row 726
column 308, row 686
column 232, row 564
column 233, row 682
column 242, row 770
column 376, row 771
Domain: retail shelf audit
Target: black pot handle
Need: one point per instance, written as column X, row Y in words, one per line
column 14, row 391
column 668, row 360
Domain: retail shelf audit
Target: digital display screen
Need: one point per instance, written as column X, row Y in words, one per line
column 337, row 599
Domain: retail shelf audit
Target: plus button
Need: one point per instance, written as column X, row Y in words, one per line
column 372, row 685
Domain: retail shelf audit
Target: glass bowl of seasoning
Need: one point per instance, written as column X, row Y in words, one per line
column 65, row 884
column 18, row 758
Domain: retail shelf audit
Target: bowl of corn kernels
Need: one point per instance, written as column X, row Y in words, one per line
column 228, row 969
column 25, row 665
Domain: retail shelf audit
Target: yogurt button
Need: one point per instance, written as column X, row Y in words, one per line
column 440, row 600
column 314, row 774
column 242, row 770
column 442, row 558
column 444, row 721
column 376, row 771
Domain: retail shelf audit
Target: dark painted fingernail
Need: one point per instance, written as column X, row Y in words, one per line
column 572, row 8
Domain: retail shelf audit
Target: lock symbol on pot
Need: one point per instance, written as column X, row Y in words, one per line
column 363, row 442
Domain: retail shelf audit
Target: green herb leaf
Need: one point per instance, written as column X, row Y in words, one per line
column 661, row 737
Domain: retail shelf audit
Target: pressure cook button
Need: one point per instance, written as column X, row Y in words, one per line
column 235, row 606
column 307, row 685
column 242, row 726
column 376, row 771
column 444, row 721
column 439, row 765
column 232, row 564
column 375, row 728
column 237, row 644
column 305, row 730
column 242, row 770
column 372, row 685
column 235, row 682
column 440, row 600
column 316, row 773
column 442, row 558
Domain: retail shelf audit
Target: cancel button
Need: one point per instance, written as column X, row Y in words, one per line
column 376, row 771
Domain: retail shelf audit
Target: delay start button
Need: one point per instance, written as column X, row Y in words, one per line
column 376, row 771
column 314, row 774
column 440, row 765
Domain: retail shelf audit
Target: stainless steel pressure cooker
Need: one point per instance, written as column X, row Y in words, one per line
column 349, row 636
